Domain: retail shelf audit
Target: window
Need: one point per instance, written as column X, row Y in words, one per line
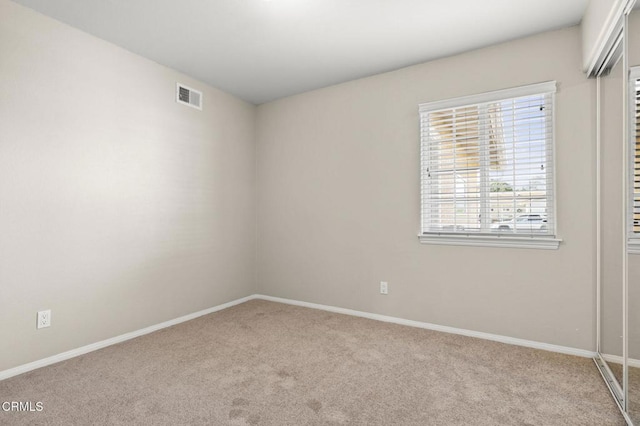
column 634, row 124
column 487, row 169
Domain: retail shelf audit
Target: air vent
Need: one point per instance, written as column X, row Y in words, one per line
column 188, row 96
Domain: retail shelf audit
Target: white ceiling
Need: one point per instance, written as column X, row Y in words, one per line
column 261, row 50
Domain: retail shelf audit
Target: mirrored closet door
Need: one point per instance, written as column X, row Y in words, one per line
column 618, row 160
column 633, row 290
column 610, row 98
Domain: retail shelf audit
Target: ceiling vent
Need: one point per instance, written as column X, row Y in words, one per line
column 188, row 96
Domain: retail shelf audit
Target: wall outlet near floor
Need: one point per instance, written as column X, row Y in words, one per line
column 384, row 287
column 44, row 319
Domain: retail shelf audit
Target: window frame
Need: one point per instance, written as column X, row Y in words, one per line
column 527, row 241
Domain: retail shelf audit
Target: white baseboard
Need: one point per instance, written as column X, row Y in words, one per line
column 478, row 334
column 127, row 336
column 618, row 360
column 112, row 341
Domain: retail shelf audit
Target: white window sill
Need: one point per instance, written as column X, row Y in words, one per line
column 633, row 246
column 524, row 242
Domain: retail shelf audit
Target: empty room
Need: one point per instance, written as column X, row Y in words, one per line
column 319, row 212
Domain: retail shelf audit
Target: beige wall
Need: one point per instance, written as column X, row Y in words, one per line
column 338, row 201
column 119, row 208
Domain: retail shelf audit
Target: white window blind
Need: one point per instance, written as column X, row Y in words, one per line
column 487, row 164
column 635, row 154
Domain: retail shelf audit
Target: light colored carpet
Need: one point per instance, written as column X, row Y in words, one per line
column 264, row 363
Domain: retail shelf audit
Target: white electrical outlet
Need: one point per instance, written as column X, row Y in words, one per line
column 44, row 319
column 384, row 287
